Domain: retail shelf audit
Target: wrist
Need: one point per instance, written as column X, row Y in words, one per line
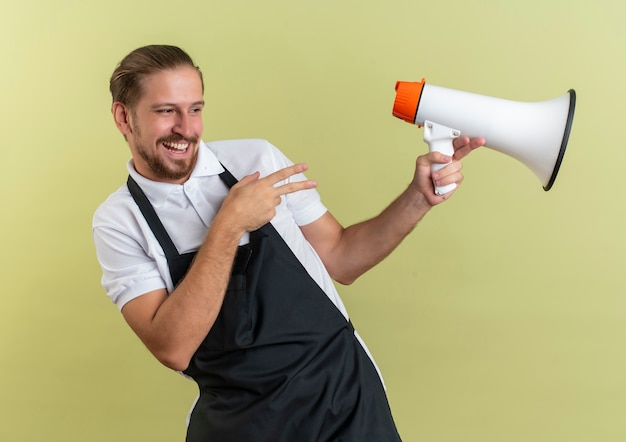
column 417, row 198
column 226, row 229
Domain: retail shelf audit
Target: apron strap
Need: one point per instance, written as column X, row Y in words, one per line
column 164, row 239
column 228, row 178
column 153, row 220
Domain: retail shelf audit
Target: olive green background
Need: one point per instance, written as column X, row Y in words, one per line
column 501, row 318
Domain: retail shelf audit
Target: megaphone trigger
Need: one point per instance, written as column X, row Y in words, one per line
column 440, row 139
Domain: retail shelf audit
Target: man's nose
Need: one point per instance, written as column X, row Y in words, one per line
column 183, row 125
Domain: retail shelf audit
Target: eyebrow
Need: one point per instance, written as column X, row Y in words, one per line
column 165, row 104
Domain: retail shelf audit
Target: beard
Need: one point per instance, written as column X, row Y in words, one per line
column 171, row 169
column 167, row 169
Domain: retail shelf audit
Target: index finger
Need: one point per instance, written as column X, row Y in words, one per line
column 464, row 145
column 283, row 174
column 293, row 186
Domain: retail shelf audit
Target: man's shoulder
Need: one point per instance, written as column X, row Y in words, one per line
column 245, row 156
column 118, row 206
column 235, row 148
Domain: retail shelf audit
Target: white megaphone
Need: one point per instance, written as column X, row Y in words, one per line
column 534, row 133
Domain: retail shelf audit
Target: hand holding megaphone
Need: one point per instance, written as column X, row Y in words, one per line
column 455, row 146
column 440, row 138
column 534, row 133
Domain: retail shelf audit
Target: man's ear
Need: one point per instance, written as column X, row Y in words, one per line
column 121, row 116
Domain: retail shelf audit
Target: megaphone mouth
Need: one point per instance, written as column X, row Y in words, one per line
column 568, row 128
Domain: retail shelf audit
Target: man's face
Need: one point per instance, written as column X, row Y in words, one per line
column 164, row 127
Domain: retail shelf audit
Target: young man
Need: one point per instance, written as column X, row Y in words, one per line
column 221, row 258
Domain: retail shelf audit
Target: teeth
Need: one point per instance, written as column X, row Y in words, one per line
column 176, row 146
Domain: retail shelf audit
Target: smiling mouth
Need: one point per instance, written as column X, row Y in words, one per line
column 176, row 147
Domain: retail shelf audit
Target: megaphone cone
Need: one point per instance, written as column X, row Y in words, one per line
column 535, row 134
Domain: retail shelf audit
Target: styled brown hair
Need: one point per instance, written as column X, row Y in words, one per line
column 125, row 84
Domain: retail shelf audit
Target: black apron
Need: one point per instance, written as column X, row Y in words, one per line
column 281, row 363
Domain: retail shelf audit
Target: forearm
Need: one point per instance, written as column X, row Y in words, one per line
column 184, row 317
column 365, row 244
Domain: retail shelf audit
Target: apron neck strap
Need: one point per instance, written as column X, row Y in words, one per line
column 148, row 212
column 151, row 217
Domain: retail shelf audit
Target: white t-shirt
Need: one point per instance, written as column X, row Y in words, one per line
column 132, row 260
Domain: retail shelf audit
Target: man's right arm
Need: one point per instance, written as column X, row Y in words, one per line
column 173, row 326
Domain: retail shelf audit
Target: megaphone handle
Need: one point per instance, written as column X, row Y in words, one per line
column 439, row 139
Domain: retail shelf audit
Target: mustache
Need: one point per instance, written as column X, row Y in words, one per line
column 177, row 139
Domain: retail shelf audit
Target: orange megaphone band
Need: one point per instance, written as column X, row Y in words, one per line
column 407, row 100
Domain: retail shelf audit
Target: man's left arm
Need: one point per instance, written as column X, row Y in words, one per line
column 349, row 252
